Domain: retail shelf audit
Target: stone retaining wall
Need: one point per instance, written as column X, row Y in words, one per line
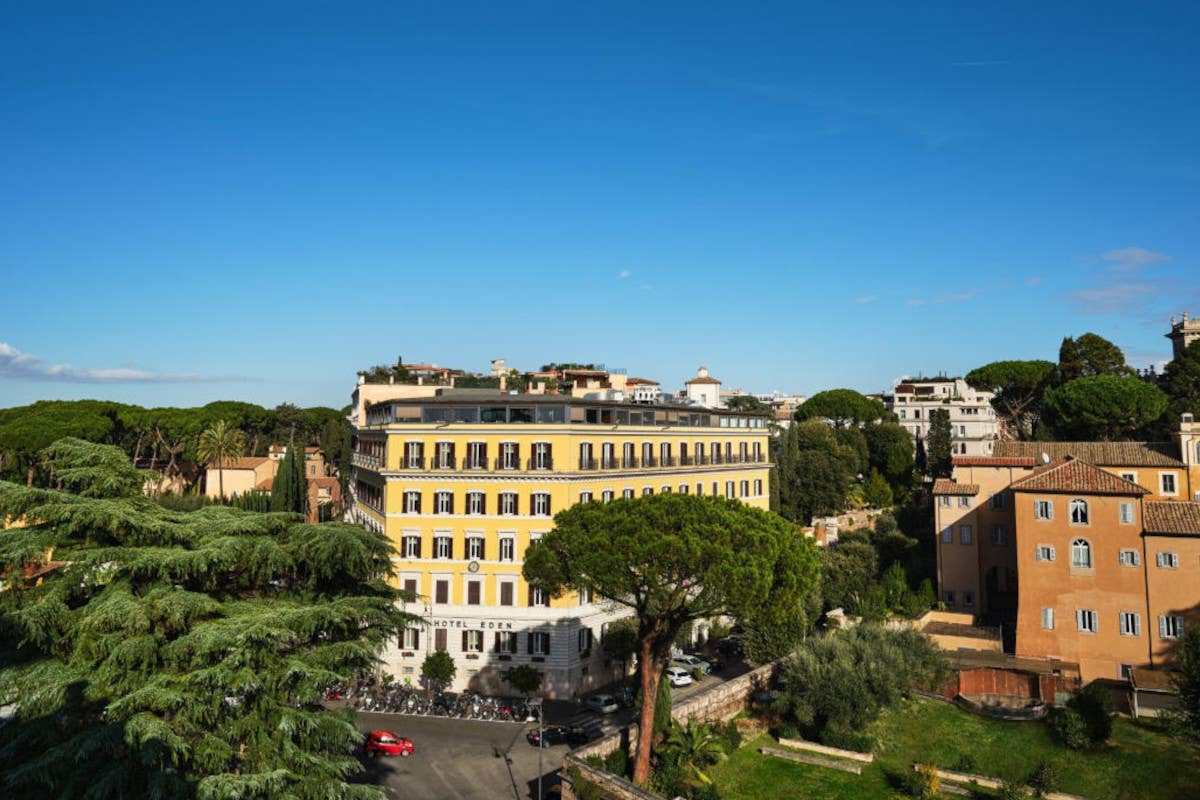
column 985, row 782
column 802, row 744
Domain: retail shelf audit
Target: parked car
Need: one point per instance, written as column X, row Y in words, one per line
column 678, row 676
column 692, row 663
column 386, row 743
column 626, row 697
column 558, row 734
column 602, row 703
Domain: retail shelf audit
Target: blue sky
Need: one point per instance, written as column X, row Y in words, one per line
column 251, row 201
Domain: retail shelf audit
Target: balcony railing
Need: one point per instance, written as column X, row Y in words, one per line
column 630, row 463
column 443, row 463
column 668, row 461
column 475, row 463
column 686, row 461
column 508, row 463
column 414, row 463
column 610, row 463
column 539, row 463
column 366, row 460
column 587, row 463
column 703, row 461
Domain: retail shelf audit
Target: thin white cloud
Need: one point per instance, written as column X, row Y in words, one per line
column 17, row 365
column 956, row 297
column 916, row 301
column 866, row 298
column 623, row 274
column 1131, row 259
column 1036, row 280
column 1118, row 298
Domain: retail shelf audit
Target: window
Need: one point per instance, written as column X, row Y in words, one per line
column 472, row 641
column 1045, row 552
column 443, row 503
column 584, row 639
column 442, row 546
column 1131, row 623
column 507, row 592
column 475, row 548
column 999, row 536
column 1079, row 512
column 412, row 546
column 684, row 488
column 476, row 455
column 538, row 596
column 439, row 639
column 1043, row 509
column 1168, row 560
column 1126, row 513
column 647, row 454
column 414, row 455
column 964, row 501
column 664, row 453
column 412, row 502
column 968, row 599
column 1129, row 558
column 585, row 596
column 473, row 593
column 412, row 639
column 647, row 491
column 944, row 500
column 441, row 591
column 948, row 597
column 445, row 455
column 508, row 503
column 585, row 456
column 541, row 504
column 410, row 586
column 506, row 642
column 964, row 534
column 541, row 456
column 699, row 489
column 745, row 489
column 1166, row 482
column 729, row 490
column 758, row 487
column 1087, row 621
column 539, row 644
column 476, row 504
column 1081, row 553
column 996, row 501
column 585, row 497
column 948, row 534
column 1048, row 619
column 606, row 495
column 510, row 455
column 1129, row 476
column 627, row 494
column 608, row 459
column 716, row 491
column 1170, row 626
column 666, row 489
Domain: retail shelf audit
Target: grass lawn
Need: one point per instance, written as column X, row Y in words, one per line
column 1138, row 763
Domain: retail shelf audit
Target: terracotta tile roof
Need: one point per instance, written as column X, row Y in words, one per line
column 324, row 481
column 1166, row 516
column 700, row 380
column 1104, row 454
column 265, row 484
column 646, row 381
column 1076, row 477
column 947, row 486
column 992, row 461
column 246, row 462
column 1153, row 680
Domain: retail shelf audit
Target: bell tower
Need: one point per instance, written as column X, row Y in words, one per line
column 1184, row 331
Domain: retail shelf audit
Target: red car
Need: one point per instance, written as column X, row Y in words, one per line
column 386, row 743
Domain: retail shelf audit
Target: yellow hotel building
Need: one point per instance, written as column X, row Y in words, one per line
column 463, row 482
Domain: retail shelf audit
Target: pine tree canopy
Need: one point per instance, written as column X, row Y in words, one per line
column 179, row 655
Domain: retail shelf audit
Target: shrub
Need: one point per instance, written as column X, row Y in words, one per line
column 584, row 789
column 847, row 740
column 1094, row 704
column 1068, row 727
column 1012, row 790
column 731, row 737
column 922, row 783
column 1045, row 778
column 966, row 763
column 788, row 730
column 617, row 763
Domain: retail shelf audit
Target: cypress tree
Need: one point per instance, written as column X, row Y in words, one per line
column 179, row 654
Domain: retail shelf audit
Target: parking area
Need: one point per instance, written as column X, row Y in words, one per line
column 458, row 758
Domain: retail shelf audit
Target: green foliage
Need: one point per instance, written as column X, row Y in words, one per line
column 939, row 444
column 181, row 654
column 92, row 470
column 582, row 788
column 662, row 710
column 524, row 678
column 617, row 763
column 812, row 474
column 673, row 558
column 852, row 447
column 335, row 444
column 438, row 668
column 848, row 569
column 891, row 454
column 1181, row 381
column 1012, row 789
column 1103, row 407
column 220, row 445
column 689, row 750
column 844, row 681
column 289, row 490
column 1185, row 719
column 1018, row 388
column 750, row 403
column 847, row 740
column 731, row 737
column 841, row 407
column 1045, row 778
column 621, row 639
column 1090, row 355
column 1068, row 727
column 769, row 635
column 877, row 492
column 1095, row 706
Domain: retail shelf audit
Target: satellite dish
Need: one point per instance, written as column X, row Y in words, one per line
column 1045, row 458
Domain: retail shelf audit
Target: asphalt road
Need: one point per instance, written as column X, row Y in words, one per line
column 458, row 758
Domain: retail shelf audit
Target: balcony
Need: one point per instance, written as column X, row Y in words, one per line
column 443, row 463
column 539, row 464
column 610, row 463
column 703, row 461
column 475, row 463
column 587, row 463
column 630, row 463
column 366, row 461
column 650, row 462
column 668, row 461
column 414, row 463
column 503, row 463
column 686, row 461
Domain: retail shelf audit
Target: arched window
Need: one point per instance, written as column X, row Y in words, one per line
column 1079, row 512
column 1081, row 553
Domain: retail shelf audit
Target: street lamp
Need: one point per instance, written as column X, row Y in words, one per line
column 536, row 703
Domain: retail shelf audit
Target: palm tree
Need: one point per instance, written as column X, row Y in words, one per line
column 694, row 748
column 221, row 443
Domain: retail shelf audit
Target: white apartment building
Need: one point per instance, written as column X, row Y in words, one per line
column 973, row 424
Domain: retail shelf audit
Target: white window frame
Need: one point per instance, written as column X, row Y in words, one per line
column 1162, row 484
column 1129, row 558
column 1047, row 619
column 475, row 546
column 443, row 501
column 1166, row 559
column 476, row 502
column 1081, row 548
column 1045, row 552
column 510, row 455
column 506, row 643
column 412, row 545
column 509, row 503
column 1087, row 621
column 541, row 504
column 1170, row 626
column 411, row 639
column 1079, row 512
column 509, row 544
column 474, row 641
column 1131, row 623
column 948, row 535
column 966, row 535
column 412, row 501
column 964, row 501
column 1125, row 513
column 627, row 493
column 606, row 496
column 438, row 541
column 585, row 497
column 1039, row 506
column 541, row 643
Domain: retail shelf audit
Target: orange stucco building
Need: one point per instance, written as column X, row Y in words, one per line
column 1088, row 551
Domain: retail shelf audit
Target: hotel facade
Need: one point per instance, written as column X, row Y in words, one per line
column 462, row 483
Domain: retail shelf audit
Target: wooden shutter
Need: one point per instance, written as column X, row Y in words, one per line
column 416, row 638
column 473, row 593
column 506, row 594
column 439, row 639
column 531, row 595
column 410, row 585
column 496, row 645
column 529, row 643
column 441, row 592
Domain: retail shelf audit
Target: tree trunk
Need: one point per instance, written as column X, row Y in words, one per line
column 651, row 665
column 221, row 480
column 29, row 475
